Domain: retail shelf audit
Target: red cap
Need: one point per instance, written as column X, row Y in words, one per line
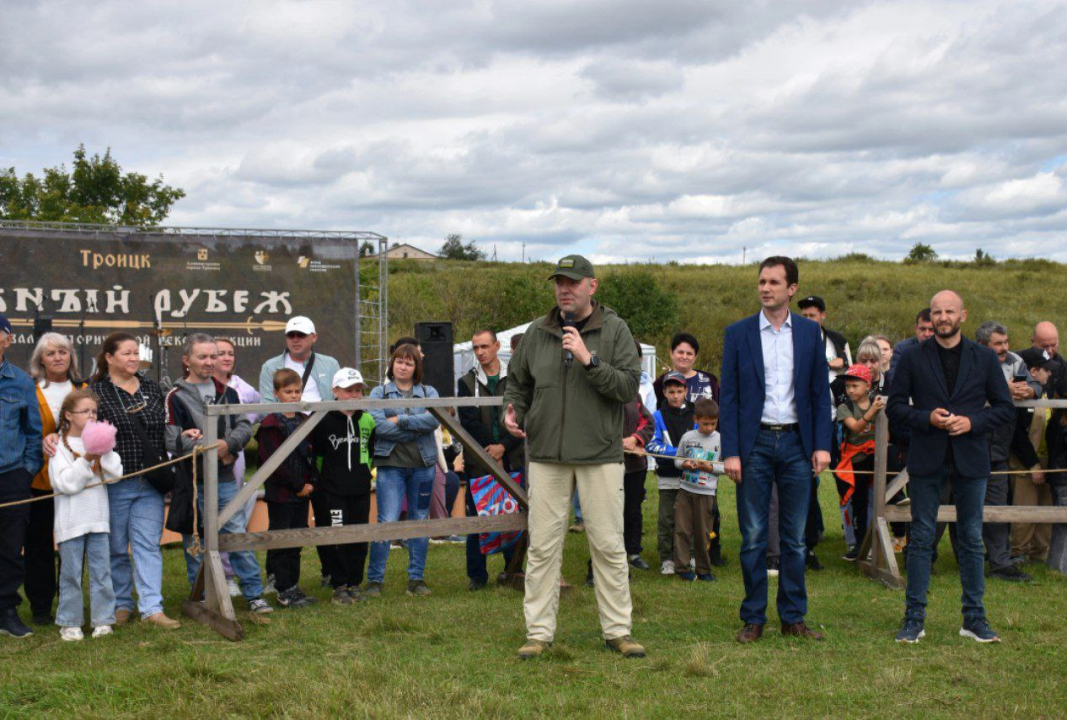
column 860, row 372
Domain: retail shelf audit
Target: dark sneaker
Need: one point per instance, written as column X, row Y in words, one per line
column 473, row 585
column 294, row 598
column 1011, row 573
column 750, row 633
column 372, row 590
column 716, row 556
column 688, row 576
column 852, row 554
column 979, row 630
column 626, row 647
column 706, row 577
column 911, row 631
column 772, row 567
column 533, row 649
column 259, row 606
column 590, row 581
column 10, row 624
column 638, row 562
column 813, row 562
column 341, row 597
column 800, row 630
column 43, row 619
column 418, row 588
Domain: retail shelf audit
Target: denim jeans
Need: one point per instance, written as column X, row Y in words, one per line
column 95, row 548
column 926, row 492
column 243, row 562
column 394, row 484
column 136, row 525
column 777, row 460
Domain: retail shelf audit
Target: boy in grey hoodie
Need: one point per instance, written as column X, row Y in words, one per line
column 700, row 460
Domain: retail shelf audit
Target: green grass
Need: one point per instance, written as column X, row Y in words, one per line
column 453, row 654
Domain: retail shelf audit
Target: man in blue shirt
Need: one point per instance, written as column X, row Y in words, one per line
column 20, row 459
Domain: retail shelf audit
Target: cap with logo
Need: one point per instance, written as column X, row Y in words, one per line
column 812, row 301
column 574, row 267
column 859, row 372
column 346, row 378
column 5, row 325
column 1039, row 358
column 674, row 377
column 300, row 324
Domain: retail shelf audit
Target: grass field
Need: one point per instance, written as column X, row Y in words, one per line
column 453, row 654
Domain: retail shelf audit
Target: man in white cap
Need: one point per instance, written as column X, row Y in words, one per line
column 315, row 370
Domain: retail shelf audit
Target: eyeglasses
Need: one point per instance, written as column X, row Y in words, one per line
column 89, row 411
column 295, row 335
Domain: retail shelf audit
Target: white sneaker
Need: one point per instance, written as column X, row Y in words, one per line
column 71, row 633
column 692, row 564
column 102, row 631
column 234, row 587
column 666, row 567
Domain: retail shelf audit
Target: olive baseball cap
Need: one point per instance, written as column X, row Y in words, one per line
column 574, row 267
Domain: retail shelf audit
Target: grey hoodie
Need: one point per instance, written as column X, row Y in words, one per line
column 185, row 410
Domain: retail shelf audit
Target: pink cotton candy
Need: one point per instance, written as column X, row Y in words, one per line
column 98, row 437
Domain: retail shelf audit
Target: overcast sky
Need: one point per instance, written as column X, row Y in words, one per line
column 673, row 130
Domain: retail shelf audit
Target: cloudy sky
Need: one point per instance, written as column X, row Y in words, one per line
column 673, row 130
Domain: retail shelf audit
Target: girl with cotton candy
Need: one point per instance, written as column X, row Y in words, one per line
column 84, row 458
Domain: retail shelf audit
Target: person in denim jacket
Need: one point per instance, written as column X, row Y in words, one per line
column 405, row 455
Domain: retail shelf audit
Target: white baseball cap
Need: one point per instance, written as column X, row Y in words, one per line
column 300, row 324
column 346, row 378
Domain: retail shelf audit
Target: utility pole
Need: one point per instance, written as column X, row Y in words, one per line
column 744, row 252
column 523, row 251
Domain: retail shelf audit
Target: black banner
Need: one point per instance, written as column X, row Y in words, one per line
column 162, row 286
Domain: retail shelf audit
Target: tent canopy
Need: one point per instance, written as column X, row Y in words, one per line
column 464, row 359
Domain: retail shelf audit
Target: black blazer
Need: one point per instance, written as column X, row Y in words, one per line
column 980, row 394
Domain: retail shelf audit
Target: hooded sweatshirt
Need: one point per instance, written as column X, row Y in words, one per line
column 671, row 424
column 80, row 510
column 296, row 470
column 345, row 444
column 185, row 411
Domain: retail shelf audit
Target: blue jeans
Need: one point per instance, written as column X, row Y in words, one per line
column 777, row 459
column 136, row 525
column 95, row 548
column 925, row 493
column 243, row 562
column 394, row 483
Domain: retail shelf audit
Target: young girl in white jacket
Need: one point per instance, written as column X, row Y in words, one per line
column 82, row 521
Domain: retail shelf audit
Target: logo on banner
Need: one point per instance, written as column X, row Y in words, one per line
column 201, row 254
column 261, row 256
column 303, row 261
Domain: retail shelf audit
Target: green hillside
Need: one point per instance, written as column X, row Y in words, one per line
column 863, row 296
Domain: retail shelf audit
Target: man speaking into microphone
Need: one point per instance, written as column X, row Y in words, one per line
column 574, row 371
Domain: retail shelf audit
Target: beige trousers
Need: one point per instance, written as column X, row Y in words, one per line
column 601, row 489
column 1030, row 539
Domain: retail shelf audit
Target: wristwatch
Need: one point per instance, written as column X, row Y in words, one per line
column 594, row 362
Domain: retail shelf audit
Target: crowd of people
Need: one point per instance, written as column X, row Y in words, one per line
column 578, row 420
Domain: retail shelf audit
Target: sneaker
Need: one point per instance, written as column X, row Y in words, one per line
column 533, row 649
column 438, row 541
column 692, row 563
column 418, row 588
column 1018, row 559
column 1011, row 573
column 341, row 597
column 372, row 590
column 772, row 567
column 474, row 585
column 44, row 619
column 626, row 647
column 911, row 631
column 269, row 588
column 456, row 539
column 590, row 581
column 706, row 577
column 979, row 630
column 852, row 554
column 578, row 527
column 813, row 562
column 294, row 598
column 102, row 631
column 233, row 586
column 717, row 558
column 687, row 575
column 259, row 606
column 666, row 567
column 356, row 593
column 71, row 633
column 159, row 619
column 638, row 562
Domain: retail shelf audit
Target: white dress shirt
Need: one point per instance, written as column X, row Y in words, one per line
column 779, row 406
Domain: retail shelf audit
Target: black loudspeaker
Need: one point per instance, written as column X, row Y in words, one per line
column 435, row 339
column 41, row 324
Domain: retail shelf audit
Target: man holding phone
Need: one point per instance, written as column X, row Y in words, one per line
column 1003, row 442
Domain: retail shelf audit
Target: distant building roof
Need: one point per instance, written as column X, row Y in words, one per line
column 410, row 252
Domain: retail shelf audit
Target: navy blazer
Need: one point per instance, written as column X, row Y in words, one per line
column 744, row 388
column 980, row 394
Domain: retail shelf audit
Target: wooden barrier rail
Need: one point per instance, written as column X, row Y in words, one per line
column 210, row 603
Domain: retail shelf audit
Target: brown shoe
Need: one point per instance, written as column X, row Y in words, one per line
column 750, row 633
column 626, row 647
column 122, row 616
column 800, row 629
column 161, row 620
column 533, row 649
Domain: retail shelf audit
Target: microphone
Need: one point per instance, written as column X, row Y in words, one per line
column 568, row 321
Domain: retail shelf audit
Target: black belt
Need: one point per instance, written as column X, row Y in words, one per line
column 781, row 427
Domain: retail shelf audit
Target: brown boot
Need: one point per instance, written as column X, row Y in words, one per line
column 161, row 620
column 533, row 649
column 626, row 647
column 750, row 633
column 122, row 616
column 801, row 630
